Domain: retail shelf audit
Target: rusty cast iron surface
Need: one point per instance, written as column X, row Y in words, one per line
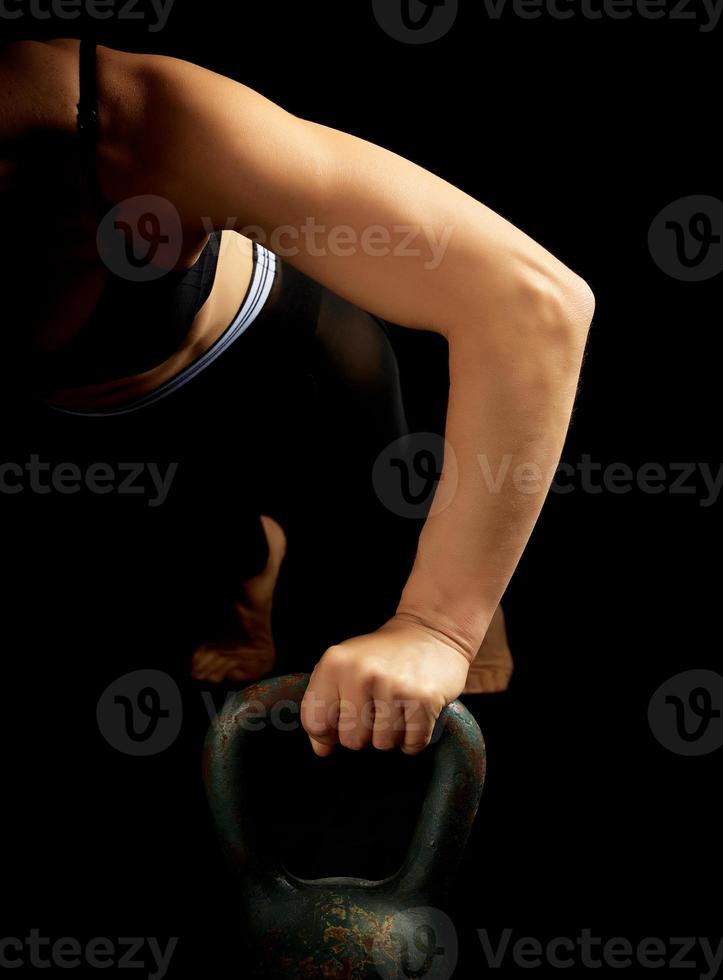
column 337, row 927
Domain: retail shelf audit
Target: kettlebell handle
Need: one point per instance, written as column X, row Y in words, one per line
column 448, row 810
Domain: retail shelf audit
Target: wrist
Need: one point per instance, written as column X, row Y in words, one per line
column 465, row 637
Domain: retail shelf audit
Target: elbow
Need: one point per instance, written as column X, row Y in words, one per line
column 579, row 303
column 558, row 305
column 551, row 311
column 534, row 312
column 538, row 321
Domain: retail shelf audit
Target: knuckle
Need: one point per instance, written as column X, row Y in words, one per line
column 371, row 674
column 353, row 742
column 313, row 716
column 335, row 654
column 316, row 728
column 322, row 739
column 414, row 748
column 423, row 699
column 427, row 695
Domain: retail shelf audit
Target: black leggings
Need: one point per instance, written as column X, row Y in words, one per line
column 288, row 422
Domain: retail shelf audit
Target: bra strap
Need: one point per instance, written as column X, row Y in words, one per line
column 87, row 118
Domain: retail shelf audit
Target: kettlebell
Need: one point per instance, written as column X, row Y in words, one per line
column 348, row 928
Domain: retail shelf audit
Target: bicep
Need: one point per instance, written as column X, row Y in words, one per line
column 381, row 231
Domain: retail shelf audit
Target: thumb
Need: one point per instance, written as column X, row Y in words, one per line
column 322, row 749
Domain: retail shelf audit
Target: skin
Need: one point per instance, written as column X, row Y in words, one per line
column 38, row 92
column 246, row 651
column 514, row 316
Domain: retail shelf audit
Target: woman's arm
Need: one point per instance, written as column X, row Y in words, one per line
column 413, row 249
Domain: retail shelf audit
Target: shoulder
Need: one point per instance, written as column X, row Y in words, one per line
column 174, row 128
column 39, row 85
column 149, row 108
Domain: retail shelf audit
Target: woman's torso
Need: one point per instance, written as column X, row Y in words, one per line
column 54, row 277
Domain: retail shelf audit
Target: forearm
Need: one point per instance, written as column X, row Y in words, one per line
column 512, row 388
column 407, row 246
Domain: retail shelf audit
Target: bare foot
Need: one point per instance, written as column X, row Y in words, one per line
column 246, row 650
column 492, row 668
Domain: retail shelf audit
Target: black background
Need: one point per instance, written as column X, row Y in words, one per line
column 579, row 132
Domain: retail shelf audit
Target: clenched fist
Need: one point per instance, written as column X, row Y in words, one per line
column 385, row 688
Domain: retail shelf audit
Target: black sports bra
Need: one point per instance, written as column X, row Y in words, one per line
column 136, row 325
